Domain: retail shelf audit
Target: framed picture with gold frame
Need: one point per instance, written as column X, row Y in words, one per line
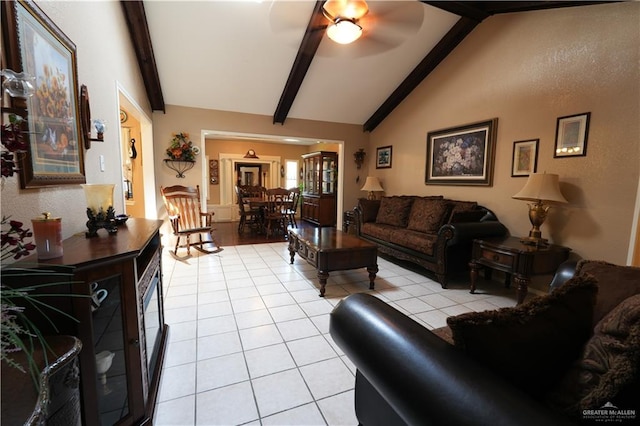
column 36, row 46
column 525, row 157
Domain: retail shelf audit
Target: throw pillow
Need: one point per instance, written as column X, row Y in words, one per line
column 394, row 211
column 467, row 216
column 531, row 344
column 616, row 283
column 609, row 362
column 369, row 209
column 427, row 215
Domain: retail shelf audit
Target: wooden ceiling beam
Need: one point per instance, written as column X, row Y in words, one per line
column 306, row 52
column 139, row 32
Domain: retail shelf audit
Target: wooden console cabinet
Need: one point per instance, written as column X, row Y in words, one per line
column 320, row 188
column 116, row 298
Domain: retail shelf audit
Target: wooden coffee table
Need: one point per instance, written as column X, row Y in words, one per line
column 329, row 249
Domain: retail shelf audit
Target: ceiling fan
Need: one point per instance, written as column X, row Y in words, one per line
column 367, row 27
column 344, row 16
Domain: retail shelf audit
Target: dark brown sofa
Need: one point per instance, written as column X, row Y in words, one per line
column 433, row 232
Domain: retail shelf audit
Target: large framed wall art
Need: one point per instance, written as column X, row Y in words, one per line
column 462, row 155
column 36, row 46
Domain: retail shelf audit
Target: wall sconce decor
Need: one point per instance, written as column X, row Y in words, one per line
column 17, row 84
column 359, row 157
column 101, row 127
column 542, row 189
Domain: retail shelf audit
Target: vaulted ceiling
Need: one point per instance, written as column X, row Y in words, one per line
column 272, row 57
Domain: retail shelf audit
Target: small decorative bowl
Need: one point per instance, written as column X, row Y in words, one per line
column 121, row 219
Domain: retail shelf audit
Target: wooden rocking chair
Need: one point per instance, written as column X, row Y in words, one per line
column 187, row 218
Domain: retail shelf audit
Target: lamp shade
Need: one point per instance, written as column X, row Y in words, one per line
column 541, row 187
column 372, row 184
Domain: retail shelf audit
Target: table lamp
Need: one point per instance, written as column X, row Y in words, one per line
column 542, row 189
column 372, row 184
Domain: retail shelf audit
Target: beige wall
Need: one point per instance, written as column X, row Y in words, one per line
column 196, row 121
column 528, row 69
column 105, row 61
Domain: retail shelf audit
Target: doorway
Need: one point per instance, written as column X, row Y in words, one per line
column 136, row 145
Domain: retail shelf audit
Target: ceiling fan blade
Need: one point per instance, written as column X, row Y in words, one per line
column 289, row 19
column 399, row 18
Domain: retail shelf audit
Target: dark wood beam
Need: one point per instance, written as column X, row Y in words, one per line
column 450, row 41
column 139, row 32
column 304, row 57
column 464, row 9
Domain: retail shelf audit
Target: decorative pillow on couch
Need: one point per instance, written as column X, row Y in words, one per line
column 616, row 283
column 369, row 209
column 394, row 211
column 533, row 344
column 608, row 369
column 427, row 214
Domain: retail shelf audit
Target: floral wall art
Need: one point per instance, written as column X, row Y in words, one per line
column 461, row 155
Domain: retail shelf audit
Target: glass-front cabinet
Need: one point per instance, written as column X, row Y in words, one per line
column 116, row 310
column 320, row 187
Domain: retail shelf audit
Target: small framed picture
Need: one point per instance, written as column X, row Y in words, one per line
column 525, row 157
column 383, row 157
column 571, row 135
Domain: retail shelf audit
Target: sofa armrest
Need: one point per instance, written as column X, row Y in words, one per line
column 467, row 231
column 422, row 378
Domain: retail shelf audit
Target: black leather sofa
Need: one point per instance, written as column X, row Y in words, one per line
column 409, row 375
column 406, row 375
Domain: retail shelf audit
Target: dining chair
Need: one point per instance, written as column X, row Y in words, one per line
column 187, row 218
column 248, row 215
column 276, row 212
column 294, row 198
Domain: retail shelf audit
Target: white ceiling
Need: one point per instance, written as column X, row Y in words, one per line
column 237, row 55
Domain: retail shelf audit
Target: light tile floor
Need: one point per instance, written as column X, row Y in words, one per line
column 249, row 337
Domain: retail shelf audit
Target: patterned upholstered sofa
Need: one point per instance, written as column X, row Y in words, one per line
column 433, row 232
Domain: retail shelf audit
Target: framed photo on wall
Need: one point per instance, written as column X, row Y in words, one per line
column 462, row 155
column 383, row 157
column 525, row 157
column 571, row 135
column 37, row 47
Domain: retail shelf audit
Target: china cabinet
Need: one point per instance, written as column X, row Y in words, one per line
column 320, row 177
column 116, row 300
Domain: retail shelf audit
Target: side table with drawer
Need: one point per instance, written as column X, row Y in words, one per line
column 515, row 259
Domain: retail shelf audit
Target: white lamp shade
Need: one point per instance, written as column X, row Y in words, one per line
column 372, row 184
column 543, row 187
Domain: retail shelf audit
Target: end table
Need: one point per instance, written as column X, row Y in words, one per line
column 511, row 256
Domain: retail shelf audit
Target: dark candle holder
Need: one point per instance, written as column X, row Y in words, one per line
column 100, row 220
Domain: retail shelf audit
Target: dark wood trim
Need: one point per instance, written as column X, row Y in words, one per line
column 139, row 31
column 310, row 42
column 464, row 9
column 450, row 41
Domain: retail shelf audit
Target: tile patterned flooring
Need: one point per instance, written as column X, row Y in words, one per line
column 249, row 339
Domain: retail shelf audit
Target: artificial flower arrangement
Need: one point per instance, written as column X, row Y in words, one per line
column 14, row 145
column 182, row 148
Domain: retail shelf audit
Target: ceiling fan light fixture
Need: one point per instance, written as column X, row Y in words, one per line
column 344, row 31
column 345, row 9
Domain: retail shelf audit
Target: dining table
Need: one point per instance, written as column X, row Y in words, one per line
column 261, row 204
